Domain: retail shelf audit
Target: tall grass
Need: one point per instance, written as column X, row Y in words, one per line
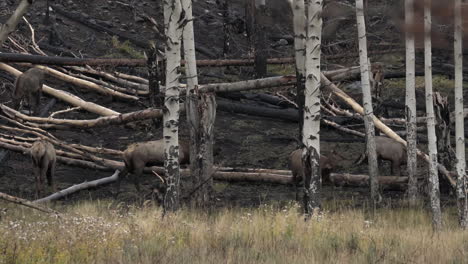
column 101, row 232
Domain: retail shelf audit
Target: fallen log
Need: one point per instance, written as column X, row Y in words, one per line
column 66, row 96
column 78, row 187
column 118, row 119
column 87, row 84
column 289, row 114
column 20, row 201
column 359, row 180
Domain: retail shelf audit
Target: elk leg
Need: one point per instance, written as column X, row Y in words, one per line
column 136, row 178
column 395, row 168
column 119, row 180
column 51, row 175
column 296, row 183
column 37, row 176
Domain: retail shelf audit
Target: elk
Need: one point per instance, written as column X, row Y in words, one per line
column 29, row 84
column 137, row 156
column 327, row 164
column 43, row 158
column 388, row 149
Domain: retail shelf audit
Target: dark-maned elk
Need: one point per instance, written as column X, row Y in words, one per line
column 145, row 154
column 326, row 163
column 29, row 85
column 44, row 158
column 388, row 149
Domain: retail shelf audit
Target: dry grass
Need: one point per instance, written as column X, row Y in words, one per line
column 101, row 232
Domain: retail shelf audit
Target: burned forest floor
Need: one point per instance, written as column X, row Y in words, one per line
column 240, row 140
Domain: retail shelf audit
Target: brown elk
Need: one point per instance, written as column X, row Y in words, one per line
column 388, row 149
column 144, row 154
column 327, row 164
column 29, row 84
column 44, row 158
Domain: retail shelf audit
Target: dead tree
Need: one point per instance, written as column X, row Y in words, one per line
column 201, row 112
column 410, row 112
column 433, row 173
column 367, row 102
column 260, row 52
column 173, row 29
column 462, row 182
column 311, row 128
column 445, row 153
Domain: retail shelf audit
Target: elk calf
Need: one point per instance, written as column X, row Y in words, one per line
column 43, row 158
column 388, row 149
column 140, row 155
column 29, row 84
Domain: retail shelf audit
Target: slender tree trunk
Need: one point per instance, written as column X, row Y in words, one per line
column 411, row 133
column 367, row 102
column 227, row 33
column 260, row 39
column 201, row 110
column 154, row 78
column 433, row 173
column 298, row 9
column 12, row 22
column 311, row 129
column 462, row 182
column 172, row 13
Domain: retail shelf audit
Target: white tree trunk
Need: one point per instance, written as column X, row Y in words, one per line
column 432, row 145
column 201, row 113
column 462, row 183
column 311, row 128
column 299, row 21
column 411, row 104
column 172, row 13
column 367, row 102
column 12, row 22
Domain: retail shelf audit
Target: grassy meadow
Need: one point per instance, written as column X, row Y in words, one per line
column 102, row 232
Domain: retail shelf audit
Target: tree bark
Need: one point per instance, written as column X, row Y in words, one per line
column 201, row 112
column 433, row 173
column 411, row 133
column 368, row 111
column 172, row 15
column 65, row 96
column 299, row 21
column 12, row 22
column 311, row 127
column 462, row 182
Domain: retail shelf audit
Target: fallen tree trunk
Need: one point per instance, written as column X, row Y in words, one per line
column 78, row 187
column 359, row 180
column 16, row 200
column 66, row 96
column 118, row 119
column 284, row 114
column 87, row 84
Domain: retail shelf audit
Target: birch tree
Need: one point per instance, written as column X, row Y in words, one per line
column 462, row 188
column 201, row 113
column 311, row 128
column 299, row 17
column 430, row 117
column 410, row 104
column 367, row 102
column 172, row 13
column 12, row 22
